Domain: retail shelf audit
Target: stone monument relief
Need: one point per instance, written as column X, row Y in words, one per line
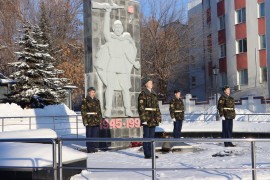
column 115, row 66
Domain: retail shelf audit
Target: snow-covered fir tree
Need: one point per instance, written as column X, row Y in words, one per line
column 37, row 79
column 45, row 26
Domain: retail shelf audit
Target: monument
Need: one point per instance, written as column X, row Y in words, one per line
column 115, row 60
column 112, row 62
column 112, row 57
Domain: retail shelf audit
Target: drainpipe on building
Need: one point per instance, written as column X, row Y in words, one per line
column 215, row 73
column 267, row 21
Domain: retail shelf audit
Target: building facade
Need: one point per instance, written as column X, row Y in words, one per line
column 235, row 36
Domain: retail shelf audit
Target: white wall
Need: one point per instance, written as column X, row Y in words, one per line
column 196, row 33
column 230, row 42
column 252, row 43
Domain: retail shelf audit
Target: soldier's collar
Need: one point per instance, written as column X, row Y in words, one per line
column 148, row 92
column 226, row 95
column 89, row 98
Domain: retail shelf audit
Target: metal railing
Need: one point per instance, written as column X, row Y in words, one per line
column 66, row 123
column 36, row 140
column 74, row 122
column 212, row 117
column 58, row 167
column 153, row 144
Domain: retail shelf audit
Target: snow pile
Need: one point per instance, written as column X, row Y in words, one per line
column 15, row 154
column 41, row 133
column 57, row 117
column 13, row 110
column 34, row 155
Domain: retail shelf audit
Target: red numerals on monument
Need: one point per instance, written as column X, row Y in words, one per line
column 120, row 123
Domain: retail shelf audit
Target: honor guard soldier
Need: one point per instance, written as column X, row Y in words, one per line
column 149, row 112
column 91, row 115
column 227, row 114
column 177, row 109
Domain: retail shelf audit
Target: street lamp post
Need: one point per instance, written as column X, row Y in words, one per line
column 215, row 73
column 69, row 89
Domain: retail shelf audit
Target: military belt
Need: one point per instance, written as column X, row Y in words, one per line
column 92, row 113
column 228, row 108
column 150, row 109
column 178, row 111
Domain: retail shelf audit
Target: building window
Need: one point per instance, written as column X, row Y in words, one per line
column 261, row 10
column 223, row 78
column 208, row 16
column 241, row 15
column 221, row 22
column 262, row 42
column 263, row 74
column 242, row 45
column 193, row 81
column 222, row 50
column 243, row 77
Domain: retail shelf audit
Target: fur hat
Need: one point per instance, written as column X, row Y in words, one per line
column 145, row 80
column 225, row 87
column 91, row 89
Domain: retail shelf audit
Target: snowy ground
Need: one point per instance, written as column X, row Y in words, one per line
column 238, row 159
column 235, row 163
column 34, row 155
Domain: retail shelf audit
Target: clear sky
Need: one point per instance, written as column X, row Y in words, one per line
column 146, row 10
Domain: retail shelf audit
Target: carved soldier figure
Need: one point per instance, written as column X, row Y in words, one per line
column 177, row 113
column 149, row 112
column 227, row 114
column 115, row 61
column 92, row 116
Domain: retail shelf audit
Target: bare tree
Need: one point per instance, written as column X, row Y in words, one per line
column 13, row 14
column 64, row 30
column 9, row 17
column 164, row 37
